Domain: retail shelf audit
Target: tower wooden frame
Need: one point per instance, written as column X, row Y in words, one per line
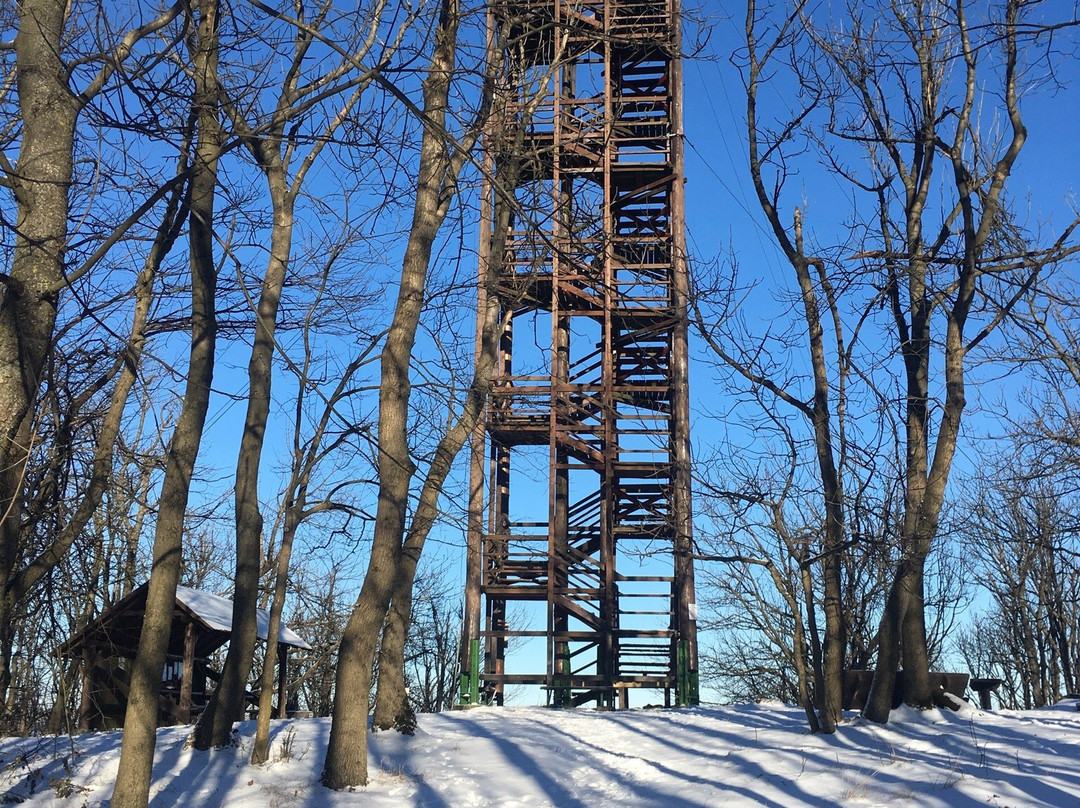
column 587, row 422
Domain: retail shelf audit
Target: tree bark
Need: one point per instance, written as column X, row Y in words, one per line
column 41, row 184
column 346, row 754
column 227, row 703
column 821, row 410
column 140, row 722
column 273, row 148
column 390, row 696
column 260, row 751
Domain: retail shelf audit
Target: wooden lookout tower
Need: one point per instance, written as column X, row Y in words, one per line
column 580, row 529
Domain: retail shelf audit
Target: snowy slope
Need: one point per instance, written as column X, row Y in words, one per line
column 728, row 757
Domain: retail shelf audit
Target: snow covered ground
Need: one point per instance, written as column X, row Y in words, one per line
column 728, row 757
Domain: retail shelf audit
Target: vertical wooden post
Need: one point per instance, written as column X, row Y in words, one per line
column 187, row 673
column 685, row 598
column 283, row 679
column 86, row 699
column 470, row 632
column 607, row 660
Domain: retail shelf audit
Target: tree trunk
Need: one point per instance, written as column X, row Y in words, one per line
column 902, row 639
column 227, row 703
column 914, row 653
column 391, row 700
column 346, row 756
column 273, row 150
column 346, row 753
column 40, row 183
column 392, row 707
column 260, row 752
column 821, row 411
column 48, row 112
column 140, row 722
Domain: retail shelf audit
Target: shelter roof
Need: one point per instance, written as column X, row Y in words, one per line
column 216, row 614
column 116, row 631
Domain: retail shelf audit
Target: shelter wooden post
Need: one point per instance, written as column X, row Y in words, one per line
column 187, row 673
column 85, row 700
column 283, row 679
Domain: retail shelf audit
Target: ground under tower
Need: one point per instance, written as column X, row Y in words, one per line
column 580, row 528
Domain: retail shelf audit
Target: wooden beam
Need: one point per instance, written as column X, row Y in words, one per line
column 282, row 687
column 86, row 702
column 187, row 673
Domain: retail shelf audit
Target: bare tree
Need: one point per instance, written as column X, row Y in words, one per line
column 140, row 721
column 892, row 102
column 823, row 406
column 321, row 617
column 442, row 158
column 764, row 597
column 301, row 502
column 1021, row 536
column 967, row 268
column 40, row 181
column 506, row 153
column 275, row 141
column 431, row 655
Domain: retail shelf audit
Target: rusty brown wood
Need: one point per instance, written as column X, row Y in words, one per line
column 606, row 261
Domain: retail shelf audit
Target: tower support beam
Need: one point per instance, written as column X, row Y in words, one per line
column 580, row 527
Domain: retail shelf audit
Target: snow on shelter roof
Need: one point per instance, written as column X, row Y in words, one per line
column 217, row 612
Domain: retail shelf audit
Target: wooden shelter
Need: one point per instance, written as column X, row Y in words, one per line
column 201, row 624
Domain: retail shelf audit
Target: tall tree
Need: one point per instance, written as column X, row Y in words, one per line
column 442, row 158
column 823, row 406
column 505, row 161
column 275, row 141
column 933, row 270
column 311, row 448
column 895, row 107
column 132, row 788
column 40, row 180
